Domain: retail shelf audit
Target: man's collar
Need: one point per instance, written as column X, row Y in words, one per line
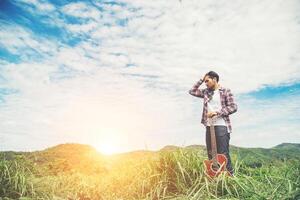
column 221, row 88
column 211, row 92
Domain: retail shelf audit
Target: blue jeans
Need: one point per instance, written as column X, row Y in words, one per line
column 222, row 140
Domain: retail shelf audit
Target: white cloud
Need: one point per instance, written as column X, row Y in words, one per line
column 24, row 42
column 237, row 40
column 267, row 122
column 37, row 5
column 81, row 10
column 82, row 29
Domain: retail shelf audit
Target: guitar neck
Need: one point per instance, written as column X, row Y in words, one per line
column 213, row 144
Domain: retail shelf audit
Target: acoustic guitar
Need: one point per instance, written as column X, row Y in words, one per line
column 217, row 164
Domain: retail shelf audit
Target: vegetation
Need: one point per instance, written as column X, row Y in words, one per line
column 73, row 171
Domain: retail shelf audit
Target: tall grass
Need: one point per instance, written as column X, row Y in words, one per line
column 168, row 175
column 14, row 180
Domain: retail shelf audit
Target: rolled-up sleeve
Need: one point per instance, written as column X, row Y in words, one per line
column 195, row 91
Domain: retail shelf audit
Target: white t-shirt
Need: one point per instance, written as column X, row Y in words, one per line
column 215, row 105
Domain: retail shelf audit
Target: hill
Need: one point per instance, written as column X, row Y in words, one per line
column 72, row 157
column 69, row 158
column 253, row 157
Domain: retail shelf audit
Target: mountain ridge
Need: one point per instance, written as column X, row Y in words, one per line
column 86, row 147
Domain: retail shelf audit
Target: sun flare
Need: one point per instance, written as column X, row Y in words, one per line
column 108, row 142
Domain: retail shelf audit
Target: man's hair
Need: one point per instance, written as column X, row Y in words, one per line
column 212, row 75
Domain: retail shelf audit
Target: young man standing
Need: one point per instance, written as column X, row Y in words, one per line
column 218, row 102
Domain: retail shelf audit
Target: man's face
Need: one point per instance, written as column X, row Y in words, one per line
column 209, row 82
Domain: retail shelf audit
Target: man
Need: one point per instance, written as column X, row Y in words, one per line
column 218, row 102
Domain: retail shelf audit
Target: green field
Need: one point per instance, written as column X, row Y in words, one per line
column 74, row 171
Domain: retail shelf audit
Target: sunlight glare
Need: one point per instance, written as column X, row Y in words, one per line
column 108, row 142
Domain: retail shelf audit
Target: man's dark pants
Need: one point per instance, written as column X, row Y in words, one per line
column 222, row 139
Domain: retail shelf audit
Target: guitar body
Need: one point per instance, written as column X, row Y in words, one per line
column 216, row 165
column 214, row 171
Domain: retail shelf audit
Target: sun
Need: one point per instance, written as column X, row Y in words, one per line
column 108, row 142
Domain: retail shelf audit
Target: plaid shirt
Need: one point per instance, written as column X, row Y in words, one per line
column 227, row 102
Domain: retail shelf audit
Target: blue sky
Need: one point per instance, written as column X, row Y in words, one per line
column 116, row 74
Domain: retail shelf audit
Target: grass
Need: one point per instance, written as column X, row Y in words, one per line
column 14, row 180
column 177, row 174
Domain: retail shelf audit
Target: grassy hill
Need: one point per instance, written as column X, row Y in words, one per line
column 76, row 171
column 61, row 158
column 72, row 157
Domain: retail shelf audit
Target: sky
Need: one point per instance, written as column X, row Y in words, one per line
column 116, row 74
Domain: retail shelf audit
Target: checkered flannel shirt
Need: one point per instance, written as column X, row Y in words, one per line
column 227, row 101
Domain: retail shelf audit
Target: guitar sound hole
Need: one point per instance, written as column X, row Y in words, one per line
column 216, row 167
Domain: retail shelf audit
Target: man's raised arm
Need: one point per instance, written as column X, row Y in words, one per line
column 195, row 91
